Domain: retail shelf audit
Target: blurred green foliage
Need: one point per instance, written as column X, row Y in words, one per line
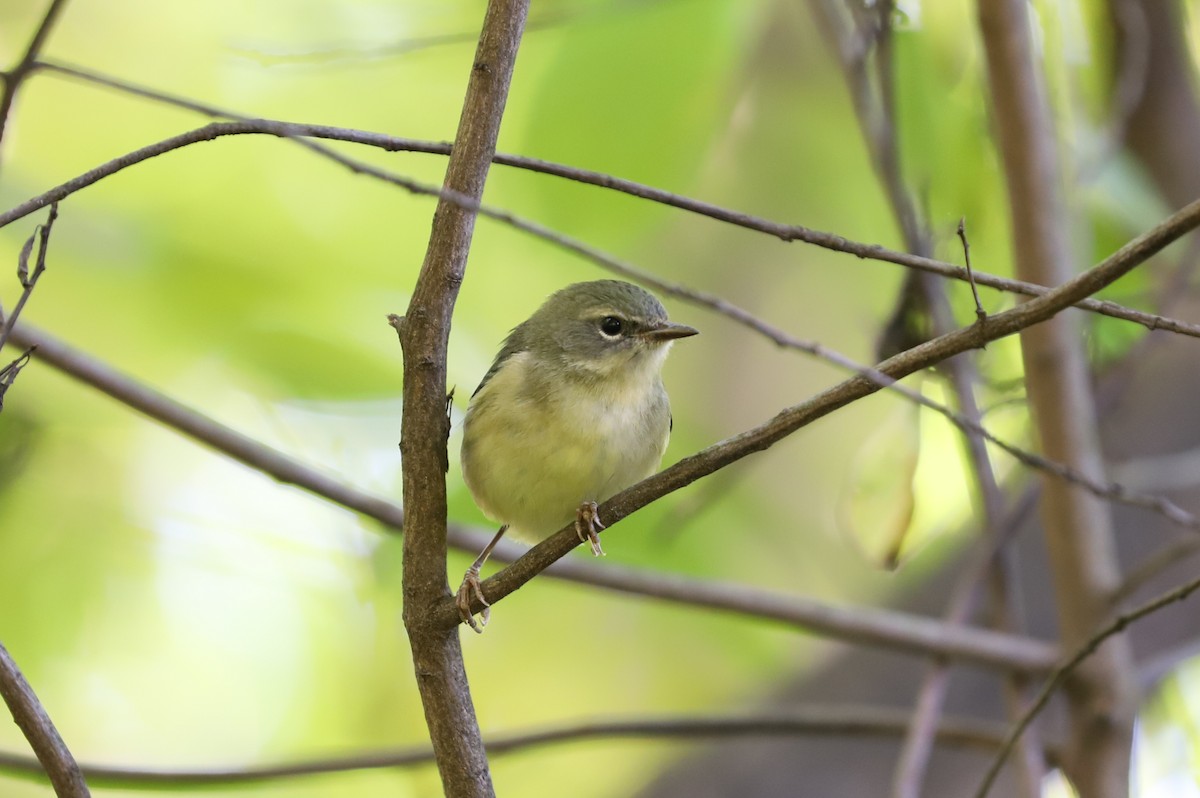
column 176, row 610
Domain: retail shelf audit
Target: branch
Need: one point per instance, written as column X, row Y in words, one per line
column 14, row 77
column 1061, row 673
column 867, row 626
column 35, row 724
column 1077, row 527
column 921, row 293
column 1170, row 555
column 8, row 374
column 1111, row 491
column 284, row 469
column 425, row 426
column 785, row 232
column 26, row 710
column 281, row 468
column 853, row 721
column 794, row 418
column 28, row 280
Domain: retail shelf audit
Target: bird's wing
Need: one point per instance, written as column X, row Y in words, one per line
column 513, row 344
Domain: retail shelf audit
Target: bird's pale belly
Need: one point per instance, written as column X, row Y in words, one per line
column 554, row 460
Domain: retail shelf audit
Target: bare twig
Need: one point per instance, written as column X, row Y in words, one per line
column 785, row 232
column 8, row 374
column 425, row 427
column 793, row 418
column 980, row 313
column 1171, row 554
column 13, row 78
column 1110, row 491
column 864, row 626
column 1065, row 670
column 852, row 721
column 152, row 403
column 35, row 724
column 894, row 630
column 26, row 710
column 29, row 279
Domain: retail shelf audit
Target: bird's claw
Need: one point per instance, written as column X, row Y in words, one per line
column 588, row 526
column 468, row 590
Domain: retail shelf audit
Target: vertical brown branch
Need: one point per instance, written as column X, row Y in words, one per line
column 1078, row 528
column 437, row 656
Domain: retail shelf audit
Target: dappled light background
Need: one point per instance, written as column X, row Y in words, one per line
column 174, row 609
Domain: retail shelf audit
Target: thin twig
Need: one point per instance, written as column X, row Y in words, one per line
column 8, row 374
column 793, row 418
column 152, row 403
column 1171, row 554
column 27, row 711
column 1060, row 674
column 13, row 78
column 215, row 130
column 862, row 625
column 1111, row 491
column 29, row 279
column 785, row 232
column 850, row 721
column 980, row 313
column 35, row 724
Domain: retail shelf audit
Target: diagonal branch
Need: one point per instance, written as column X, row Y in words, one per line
column 35, row 724
column 1111, row 491
column 850, row 721
column 27, row 711
column 785, row 232
column 250, row 452
column 1114, row 492
column 793, row 418
column 1064, row 671
column 860, row 625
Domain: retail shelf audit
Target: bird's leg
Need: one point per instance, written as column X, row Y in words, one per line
column 588, row 526
column 470, row 589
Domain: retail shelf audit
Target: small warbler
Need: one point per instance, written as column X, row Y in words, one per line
column 572, row 412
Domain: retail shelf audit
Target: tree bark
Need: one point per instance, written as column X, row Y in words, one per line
column 1102, row 694
column 424, row 334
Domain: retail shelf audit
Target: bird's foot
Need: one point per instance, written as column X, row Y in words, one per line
column 468, row 590
column 588, row 526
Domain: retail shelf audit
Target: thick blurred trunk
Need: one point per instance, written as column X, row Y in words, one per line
column 1162, row 122
column 1155, row 415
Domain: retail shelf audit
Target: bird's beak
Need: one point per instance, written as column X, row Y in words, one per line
column 669, row 331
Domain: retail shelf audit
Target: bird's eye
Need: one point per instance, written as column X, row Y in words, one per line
column 611, row 326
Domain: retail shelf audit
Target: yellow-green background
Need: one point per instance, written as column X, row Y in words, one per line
column 174, row 609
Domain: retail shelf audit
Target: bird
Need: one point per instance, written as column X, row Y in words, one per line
column 572, row 412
